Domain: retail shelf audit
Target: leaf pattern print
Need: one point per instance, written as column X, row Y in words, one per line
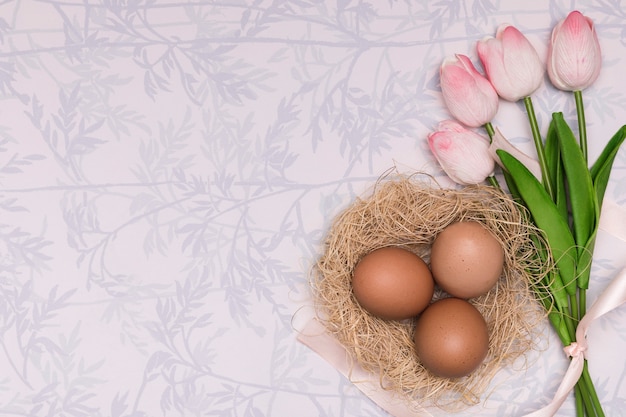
column 169, row 170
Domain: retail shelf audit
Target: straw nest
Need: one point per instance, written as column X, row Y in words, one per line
column 403, row 211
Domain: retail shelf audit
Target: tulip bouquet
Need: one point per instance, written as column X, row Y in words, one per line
column 562, row 194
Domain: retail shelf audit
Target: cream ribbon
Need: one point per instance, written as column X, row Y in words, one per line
column 612, row 297
column 315, row 336
column 613, row 219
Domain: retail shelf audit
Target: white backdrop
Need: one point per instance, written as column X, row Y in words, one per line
column 168, row 171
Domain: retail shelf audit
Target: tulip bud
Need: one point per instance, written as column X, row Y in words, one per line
column 574, row 56
column 498, row 141
column 511, row 63
column 463, row 154
column 469, row 96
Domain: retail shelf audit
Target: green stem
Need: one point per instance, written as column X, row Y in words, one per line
column 582, row 125
column 569, row 316
column 592, row 394
column 573, row 308
column 587, row 403
column 571, row 327
column 534, row 127
column 582, row 302
column 578, row 397
column 490, row 131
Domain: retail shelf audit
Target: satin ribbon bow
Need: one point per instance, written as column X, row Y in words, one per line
column 612, row 297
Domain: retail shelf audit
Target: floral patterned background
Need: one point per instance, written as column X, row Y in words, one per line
column 168, row 171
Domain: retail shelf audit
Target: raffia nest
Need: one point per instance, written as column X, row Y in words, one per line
column 406, row 212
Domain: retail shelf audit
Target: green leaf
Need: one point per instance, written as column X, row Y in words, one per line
column 555, row 312
column 558, row 293
column 601, row 169
column 582, row 195
column 584, row 262
column 559, row 324
column 553, row 157
column 510, row 183
column 547, row 217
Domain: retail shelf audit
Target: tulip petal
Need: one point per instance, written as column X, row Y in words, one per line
column 469, row 96
column 511, row 63
column 462, row 154
column 575, row 58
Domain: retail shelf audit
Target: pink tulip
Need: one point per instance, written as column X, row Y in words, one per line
column 574, row 57
column 511, row 63
column 463, row 154
column 469, row 96
column 500, row 142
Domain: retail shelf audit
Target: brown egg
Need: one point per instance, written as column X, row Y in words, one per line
column 466, row 260
column 451, row 338
column 392, row 283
